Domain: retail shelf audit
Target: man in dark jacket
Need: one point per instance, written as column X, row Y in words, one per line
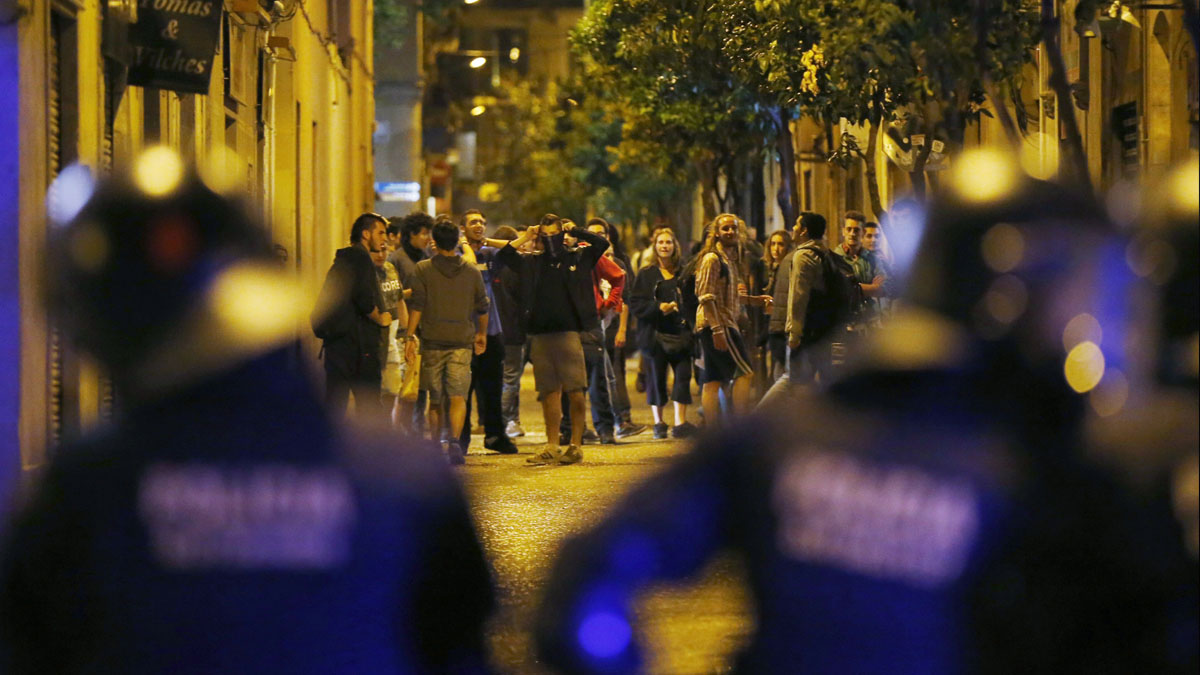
column 224, row 523
column 560, row 304
column 353, row 361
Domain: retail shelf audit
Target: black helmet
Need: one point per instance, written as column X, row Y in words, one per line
column 1021, row 280
column 139, row 272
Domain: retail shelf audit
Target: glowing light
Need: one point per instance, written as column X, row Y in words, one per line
column 1185, row 188
column 477, row 62
column 478, row 110
column 470, row 2
column 1003, row 248
column 604, row 634
column 220, row 170
column 514, row 54
column 89, row 248
column 1109, row 398
column 158, row 171
column 255, row 304
column 69, row 193
column 1084, row 367
column 984, row 176
column 1082, row 328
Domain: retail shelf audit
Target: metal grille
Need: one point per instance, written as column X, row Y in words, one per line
column 54, row 155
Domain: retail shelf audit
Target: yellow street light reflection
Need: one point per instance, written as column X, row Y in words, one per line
column 981, row 176
column 514, row 54
column 1084, row 367
column 478, row 110
column 158, row 171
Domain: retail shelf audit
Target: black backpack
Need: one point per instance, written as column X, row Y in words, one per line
column 333, row 316
column 835, row 306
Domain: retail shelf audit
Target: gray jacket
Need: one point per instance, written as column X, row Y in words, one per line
column 450, row 296
column 805, row 277
column 779, row 306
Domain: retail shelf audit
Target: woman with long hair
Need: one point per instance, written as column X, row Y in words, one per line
column 656, row 301
column 766, row 269
column 721, row 291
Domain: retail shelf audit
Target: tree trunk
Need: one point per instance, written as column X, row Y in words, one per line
column 788, row 195
column 708, row 197
column 869, row 162
column 1076, row 172
column 757, row 202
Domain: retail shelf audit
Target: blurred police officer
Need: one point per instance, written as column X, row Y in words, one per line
column 224, row 523
column 1146, row 414
column 927, row 514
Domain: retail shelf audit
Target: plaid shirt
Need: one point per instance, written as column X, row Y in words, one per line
column 721, row 290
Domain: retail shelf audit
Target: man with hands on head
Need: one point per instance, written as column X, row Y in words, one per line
column 560, row 303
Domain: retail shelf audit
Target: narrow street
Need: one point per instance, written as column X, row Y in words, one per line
column 523, row 514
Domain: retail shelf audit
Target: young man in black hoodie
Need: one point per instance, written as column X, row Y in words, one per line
column 352, row 357
column 413, row 232
column 557, row 286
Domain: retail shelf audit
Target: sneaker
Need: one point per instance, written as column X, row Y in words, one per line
column 606, row 438
column 685, row 430
column 500, row 444
column 660, row 431
column 573, row 455
column 546, row 456
column 628, row 429
column 589, row 438
column 454, row 453
column 514, row 430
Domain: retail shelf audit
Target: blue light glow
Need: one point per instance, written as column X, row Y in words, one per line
column 69, row 193
column 604, row 634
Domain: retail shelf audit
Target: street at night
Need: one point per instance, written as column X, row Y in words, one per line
column 523, row 513
column 867, row 333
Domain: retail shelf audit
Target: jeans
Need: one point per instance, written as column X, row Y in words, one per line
column 515, row 357
column 806, row 364
column 603, row 419
column 618, row 390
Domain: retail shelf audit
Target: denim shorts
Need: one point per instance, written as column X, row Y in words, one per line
column 446, row 372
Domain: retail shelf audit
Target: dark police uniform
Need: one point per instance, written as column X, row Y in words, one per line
column 233, row 529
column 223, row 523
column 877, row 540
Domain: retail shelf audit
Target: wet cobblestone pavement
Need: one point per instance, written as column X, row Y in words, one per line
column 523, row 513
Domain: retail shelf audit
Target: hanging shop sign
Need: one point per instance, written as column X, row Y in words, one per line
column 174, row 43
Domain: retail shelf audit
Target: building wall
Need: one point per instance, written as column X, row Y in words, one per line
column 299, row 148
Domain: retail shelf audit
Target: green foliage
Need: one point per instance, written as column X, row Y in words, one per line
column 550, row 150
column 393, row 19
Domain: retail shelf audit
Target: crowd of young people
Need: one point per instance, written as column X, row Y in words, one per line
column 461, row 313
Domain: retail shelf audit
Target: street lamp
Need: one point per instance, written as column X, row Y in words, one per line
column 478, row 62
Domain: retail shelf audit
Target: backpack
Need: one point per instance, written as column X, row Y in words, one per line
column 333, row 317
column 837, row 304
